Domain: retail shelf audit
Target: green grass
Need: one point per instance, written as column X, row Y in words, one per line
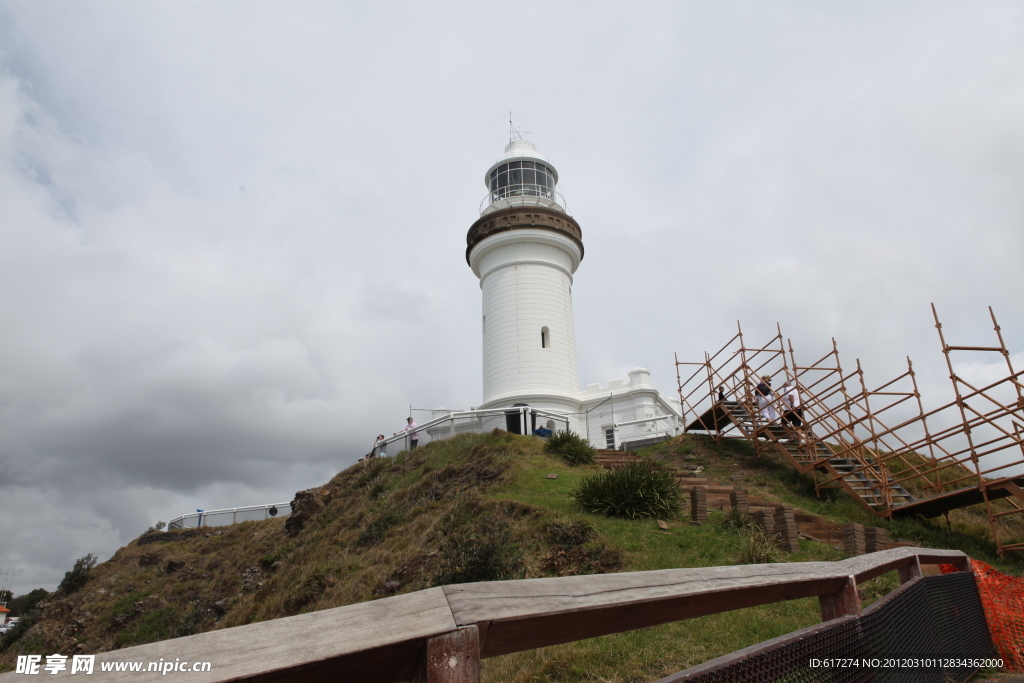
column 475, row 507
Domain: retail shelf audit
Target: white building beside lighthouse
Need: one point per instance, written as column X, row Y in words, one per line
column 525, row 248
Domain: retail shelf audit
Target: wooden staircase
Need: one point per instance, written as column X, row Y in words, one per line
column 859, row 477
column 718, row 496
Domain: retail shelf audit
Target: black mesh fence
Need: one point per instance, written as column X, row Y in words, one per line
column 932, row 630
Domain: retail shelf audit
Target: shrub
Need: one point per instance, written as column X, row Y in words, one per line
column 79, row 574
column 571, row 534
column 757, row 546
column 637, row 490
column 573, row 449
column 736, row 519
column 477, row 545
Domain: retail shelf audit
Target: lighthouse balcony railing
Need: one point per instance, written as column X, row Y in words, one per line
column 522, row 195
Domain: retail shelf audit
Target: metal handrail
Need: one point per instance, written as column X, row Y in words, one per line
column 179, row 522
column 449, row 417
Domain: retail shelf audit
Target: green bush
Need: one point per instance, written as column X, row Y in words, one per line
column 79, row 574
column 637, row 490
column 573, row 449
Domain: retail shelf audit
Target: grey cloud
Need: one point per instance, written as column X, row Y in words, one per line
column 171, row 342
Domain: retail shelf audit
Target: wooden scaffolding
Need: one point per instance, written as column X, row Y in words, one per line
column 968, row 451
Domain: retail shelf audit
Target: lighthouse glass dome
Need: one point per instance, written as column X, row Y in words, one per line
column 523, row 176
column 522, row 179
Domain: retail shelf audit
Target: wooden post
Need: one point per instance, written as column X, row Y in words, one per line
column 845, row 602
column 911, row 571
column 785, row 524
column 452, row 657
column 766, row 521
column 738, row 502
column 699, row 504
column 853, row 538
column 875, row 539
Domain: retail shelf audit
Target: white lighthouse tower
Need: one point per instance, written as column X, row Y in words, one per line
column 525, row 249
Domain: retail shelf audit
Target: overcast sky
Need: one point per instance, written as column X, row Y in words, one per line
column 232, row 234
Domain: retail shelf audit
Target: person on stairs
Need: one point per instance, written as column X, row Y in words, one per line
column 766, row 399
column 791, row 397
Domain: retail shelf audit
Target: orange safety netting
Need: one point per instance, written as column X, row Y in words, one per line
column 1002, row 596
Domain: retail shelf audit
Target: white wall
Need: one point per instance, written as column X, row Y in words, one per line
column 526, row 285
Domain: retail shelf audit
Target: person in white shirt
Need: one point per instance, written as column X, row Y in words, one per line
column 791, row 397
column 414, row 437
column 765, row 399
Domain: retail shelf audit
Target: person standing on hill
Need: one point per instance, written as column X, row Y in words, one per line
column 414, row 436
column 765, row 400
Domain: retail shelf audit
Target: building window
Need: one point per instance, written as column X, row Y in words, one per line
column 545, row 338
column 609, row 438
column 485, row 324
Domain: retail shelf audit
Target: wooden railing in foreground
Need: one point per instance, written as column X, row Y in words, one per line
column 440, row 634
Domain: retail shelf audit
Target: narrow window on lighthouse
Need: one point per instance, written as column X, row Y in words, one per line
column 485, row 324
column 545, row 340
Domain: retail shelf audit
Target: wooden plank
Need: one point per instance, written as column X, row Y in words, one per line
column 452, row 657
column 1013, row 489
column 813, row 519
column 539, row 612
column 373, row 641
column 866, row 567
column 514, row 635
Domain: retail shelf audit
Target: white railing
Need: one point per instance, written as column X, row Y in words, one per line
column 227, row 516
column 520, row 195
column 646, row 428
column 472, row 422
column 590, row 425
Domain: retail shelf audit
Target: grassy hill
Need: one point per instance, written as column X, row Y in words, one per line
column 472, row 508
